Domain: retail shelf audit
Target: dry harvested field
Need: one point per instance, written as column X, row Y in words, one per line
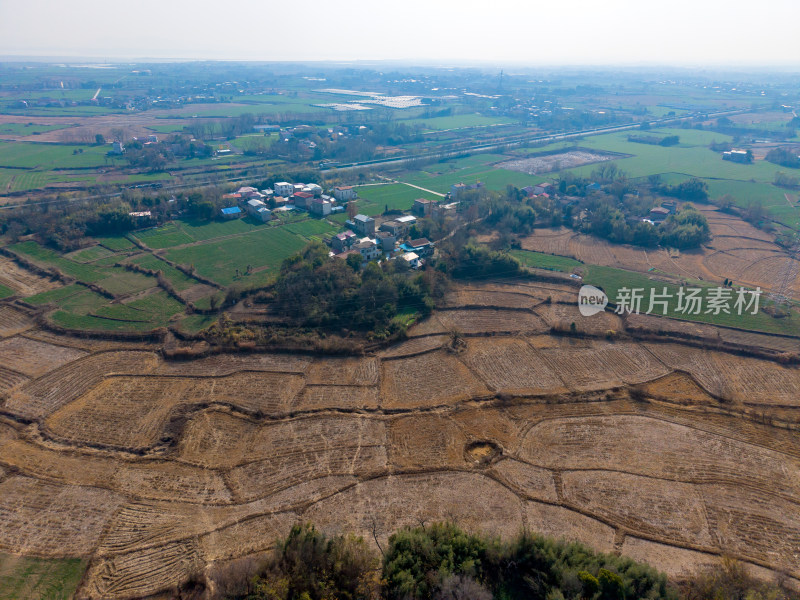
column 154, row 469
column 22, row 281
column 737, row 251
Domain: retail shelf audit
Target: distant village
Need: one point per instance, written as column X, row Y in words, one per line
column 388, row 236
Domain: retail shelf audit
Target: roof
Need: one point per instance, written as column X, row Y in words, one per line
column 409, row 256
column 346, row 234
column 232, row 210
column 255, row 202
column 283, row 183
column 264, row 209
column 660, row 210
column 369, row 244
column 419, row 242
column 424, row 201
column 406, row 219
column 363, row 218
column 384, row 234
column 231, row 195
column 320, row 201
column 303, row 195
column 344, row 187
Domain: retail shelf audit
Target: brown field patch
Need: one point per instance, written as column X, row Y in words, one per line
column 386, row 504
column 13, row 322
column 755, row 524
column 425, row 441
column 735, row 378
column 52, row 520
column 324, row 397
column 414, row 346
column 532, row 482
column 489, row 298
column 344, row 371
column 659, row 449
column 262, row 478
column 143, row 573
column 430, row 326
column 562, row 316
column 61, row 386
column 249, row 536
column 145, row 404
column 22, row 281
column 679, row 388
column 10, row 379
column 675, row 562
column 427, row 380
column 492, row 321
column 555, row 162
column 511, row 366
column 197, row 291
column 658, row 508
column 594, row 365
column 226, row 364
column 566, row 524
column 35, row 358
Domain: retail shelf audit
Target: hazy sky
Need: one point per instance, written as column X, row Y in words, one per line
column 693, row 32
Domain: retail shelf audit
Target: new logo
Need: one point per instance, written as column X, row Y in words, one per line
column 591, row 300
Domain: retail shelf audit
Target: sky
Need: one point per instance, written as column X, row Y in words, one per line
column 535, row 32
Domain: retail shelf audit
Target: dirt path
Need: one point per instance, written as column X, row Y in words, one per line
column 413, row 186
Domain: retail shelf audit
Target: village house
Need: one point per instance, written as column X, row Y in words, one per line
column 344, row 193
column 231, row 212
column 413, row 260
column 543, row 188
column 422, row 207
column 421, row 247
column 386, row 240
column 302, row 199
column 369, row 249
column 253, row 205
column 393, row 227
column 658, row 214
column 283, row 188
column 364, row 225
column 263, row 214
column 342, row 242
column 320, row 207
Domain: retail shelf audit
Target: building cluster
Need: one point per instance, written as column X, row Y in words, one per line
column 373, row 239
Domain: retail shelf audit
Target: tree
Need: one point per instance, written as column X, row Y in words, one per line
column 99, row 139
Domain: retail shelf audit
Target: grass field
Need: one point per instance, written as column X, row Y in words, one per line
column 496, row 179
column 5, row 291
column 611, row 280
column 458, row 121
column 262, row 250
column 45, row 579
column 541, row 260
column 179, row 280
column 374, row 199
column 30, row 155
column 23, row 129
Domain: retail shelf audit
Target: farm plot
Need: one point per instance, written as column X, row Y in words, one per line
column 425, row 441
column 26, row 577
column 555, row 162
column 386, row 504
column 427, row 380
column 414, row 346
column 147, row 402
column 60, row 387
column 10, row 379
column 13, row 322
column 511, row 366
column 662, row 509
column 322, row 397
column 530, row 481
column 35, row 358
column 562, row 317
column 22, row 281
column 654, row 448
column 374, row 199
column 597, row 365
column 487, row 298
column 343, row 371
column 227, row 364
column 143, row 573
column 735, row 378
column 563, row 523
column 492, row 321
column 52, row 520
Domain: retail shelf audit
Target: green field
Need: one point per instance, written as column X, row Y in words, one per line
column 374, row 199
column 6, row 291
column 546, row 261
column 263, row 250
column 458, row 121
column 611, row 280
column 30, row 155
column 179, row 280
column 39, row 578
column 23, row 129
column 495, row 179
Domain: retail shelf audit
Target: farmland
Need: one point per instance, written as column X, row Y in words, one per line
column 192, row 449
